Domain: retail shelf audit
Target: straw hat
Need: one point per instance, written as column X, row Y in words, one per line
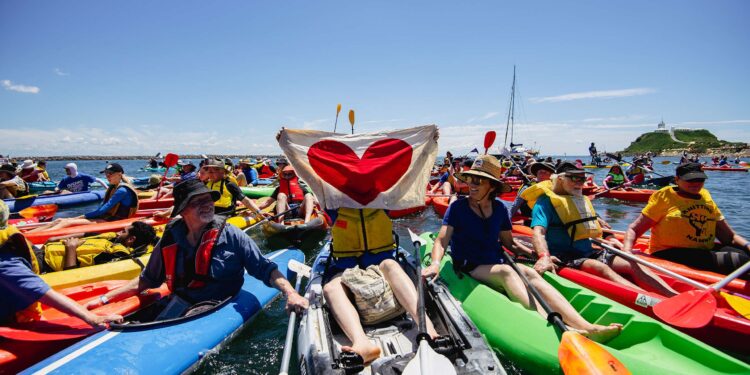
column 488, row 167
column 28, row 163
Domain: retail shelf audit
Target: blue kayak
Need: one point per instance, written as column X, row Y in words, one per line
column 61, row 200
column 36, row 187
column 168, row 348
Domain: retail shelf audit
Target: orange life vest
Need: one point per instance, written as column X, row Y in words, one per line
column 292, row 189
column 265, row 172
column 119, row 211
column 202, row 258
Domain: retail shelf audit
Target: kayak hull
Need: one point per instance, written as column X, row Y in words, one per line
column 256, row 192
column 61, row 200
column 169, row 348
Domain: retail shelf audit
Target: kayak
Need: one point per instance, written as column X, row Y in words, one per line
column 634, row 195
column 657, row 181
column 124, row 269
column 645, row 346
column 295, row 233
column 319, row 338
column 727, row 330
column 440, row 204
column 265, row 181
column 396, row 214
column 38, row 238
column 24, row 344
column 169, row 347
column 147, row 204
column 35, row 187
column 724, row 169
column 149, row 169
column 606, row 166
column 256, row 192
column 61, row 200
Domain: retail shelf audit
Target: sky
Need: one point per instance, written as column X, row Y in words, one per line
column 140, row 77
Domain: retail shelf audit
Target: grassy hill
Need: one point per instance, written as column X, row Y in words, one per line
column 698, row 141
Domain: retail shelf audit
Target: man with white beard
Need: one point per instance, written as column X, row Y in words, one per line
column 564, row 220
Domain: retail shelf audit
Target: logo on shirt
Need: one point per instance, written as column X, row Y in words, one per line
column 698, row 216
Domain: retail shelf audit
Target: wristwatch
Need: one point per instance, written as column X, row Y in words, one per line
column 104, row 300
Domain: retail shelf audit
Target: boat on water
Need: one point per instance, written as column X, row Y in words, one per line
column 61, row 200
column 168, row 347
column 319, row 338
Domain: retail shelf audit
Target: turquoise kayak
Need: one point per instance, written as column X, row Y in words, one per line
column 645, row 345
column 36, row 187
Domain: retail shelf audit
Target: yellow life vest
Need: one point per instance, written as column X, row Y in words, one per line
column 225, row 200
column 577, row 214
column 533, row 192
column 13, row 242
column 119, row 211
column 54, row 252
column 360, row 230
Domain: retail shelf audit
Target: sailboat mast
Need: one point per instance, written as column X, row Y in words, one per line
column 511, row 114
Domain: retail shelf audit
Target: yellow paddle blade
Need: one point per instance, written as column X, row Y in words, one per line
column 351, row 117
column 581, row 356
column 739, row 304
column 338, row 109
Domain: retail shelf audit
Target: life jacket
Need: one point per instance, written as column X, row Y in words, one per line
column 533, row 192
column 577, row 215
column 14, row 243
column 225, row 201
column 54, row 252
column 360, row 230
column 120, row 211
column 617, row 179
column 265, row 172
column 292, row 189
column 196, row 277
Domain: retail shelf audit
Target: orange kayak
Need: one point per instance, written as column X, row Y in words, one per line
column 38, row 238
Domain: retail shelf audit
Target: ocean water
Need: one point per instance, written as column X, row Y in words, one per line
column 259, row 348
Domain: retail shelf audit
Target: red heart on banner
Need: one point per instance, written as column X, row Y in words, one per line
column 381, row 166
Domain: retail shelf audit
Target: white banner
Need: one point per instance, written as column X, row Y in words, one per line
column 387, row 170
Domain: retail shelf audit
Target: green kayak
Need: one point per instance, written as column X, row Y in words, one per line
column 256, row 192
column 645, row 346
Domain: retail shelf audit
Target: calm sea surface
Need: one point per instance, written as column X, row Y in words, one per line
column 258, row 349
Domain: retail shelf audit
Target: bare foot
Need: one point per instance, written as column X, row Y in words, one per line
column 369, row 352
column 600, row 333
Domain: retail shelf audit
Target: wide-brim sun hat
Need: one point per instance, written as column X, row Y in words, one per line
column 186, row 190
column 535, row 167
column 570, row 168
column 28, row 164
column 486, row 166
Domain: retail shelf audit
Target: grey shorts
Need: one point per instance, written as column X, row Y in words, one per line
column 603, row 256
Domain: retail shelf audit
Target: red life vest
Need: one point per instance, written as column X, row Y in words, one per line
column 265, row 172
column 202, row 259
column 292, row 189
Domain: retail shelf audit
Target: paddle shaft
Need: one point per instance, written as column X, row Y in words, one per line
column 738, row 272
column 552, row 316
column 289, row 333
column 292, row 208
column 420, row 290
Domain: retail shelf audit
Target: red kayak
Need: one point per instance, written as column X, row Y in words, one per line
column 440, row 204
column 23, row 344
column 724, row 169
column 395, row 214
column 38, row 238
column 632, row 195
column 727, row 330
column 148, row 204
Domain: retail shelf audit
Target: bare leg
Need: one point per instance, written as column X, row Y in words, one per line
column 281, row 206
column 5, row 194
column 404, row 290
column 600, row 269
column 308, row 204
column 348, row 318
column 62, row 223
column 643, row 275
column 446, row 188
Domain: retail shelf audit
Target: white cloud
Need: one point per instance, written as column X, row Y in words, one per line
column 59, row 72
column 485, row 117
column 10, row 86
column 594, row 95
column 709, row 123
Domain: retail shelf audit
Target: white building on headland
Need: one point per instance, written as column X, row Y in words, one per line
column 662, row 128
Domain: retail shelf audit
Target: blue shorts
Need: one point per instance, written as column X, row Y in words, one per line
column 339, row 265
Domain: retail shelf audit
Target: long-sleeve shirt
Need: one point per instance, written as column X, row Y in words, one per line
column 121, row 195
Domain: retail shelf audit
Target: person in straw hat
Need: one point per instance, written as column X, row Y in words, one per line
column 477, row 228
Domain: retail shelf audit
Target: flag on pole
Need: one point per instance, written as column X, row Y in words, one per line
column 386, row 170
column 474, row 151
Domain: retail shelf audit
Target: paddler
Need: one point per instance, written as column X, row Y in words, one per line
column 21, row 289
column 11, row 186
column 636, row 172
column 477, row 228
column 445, row 182
column 685, row 224
column 250, row 173
column 615, row 178
column 528, row 194
column 291, row 191
column 200, row 234
column 229, row 192
column 564, row 220
column 41, row 166
column 29, row 172
column 75, row 181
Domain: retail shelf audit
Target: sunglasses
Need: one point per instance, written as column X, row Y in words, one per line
column 701, row 180
column 287, row 175
column 476, row 180
column 575, row 178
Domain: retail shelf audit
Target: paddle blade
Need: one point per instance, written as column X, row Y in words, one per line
column 489, row 139
column 427, row 361
column 47, row 210
column 693, row 309
column 351, row 117
column 579, row 355
column 338, row 109
column 665, row 162
column 299, row 268
column 416, row 240
column 739, row 304
column 170, row 160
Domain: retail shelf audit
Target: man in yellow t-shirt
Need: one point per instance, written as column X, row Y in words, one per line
column 685, row 224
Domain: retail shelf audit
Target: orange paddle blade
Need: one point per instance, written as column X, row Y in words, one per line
column 351, row 117
column 47, row 210
column 693, row 309
column 579, row 355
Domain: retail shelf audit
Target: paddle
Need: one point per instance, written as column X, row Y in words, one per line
column 301, row 270
column 505, row 152
column 155, row 156
column 169, row 161
column 665, row 162
column 576, row 353
column 739, row 304
column 338, row 109
column 47, row 210
column 351, row 119
column 489, row 139
column 426, row 360
column 696, row 308
column 292, row 207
